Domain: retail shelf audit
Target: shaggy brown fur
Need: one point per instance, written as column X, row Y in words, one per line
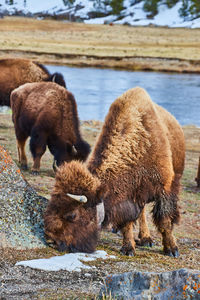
column 138, row 158
column 48, row 114
column 198, row 175
column 15, row 72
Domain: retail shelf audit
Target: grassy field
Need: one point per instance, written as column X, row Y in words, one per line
column 134, row 48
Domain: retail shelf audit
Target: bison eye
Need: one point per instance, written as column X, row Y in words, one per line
column 70, row 217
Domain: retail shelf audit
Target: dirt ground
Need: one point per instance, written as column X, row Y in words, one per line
column 25, row 283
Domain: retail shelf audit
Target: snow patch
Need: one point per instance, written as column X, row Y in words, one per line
column 69, row 262
column 132, row 14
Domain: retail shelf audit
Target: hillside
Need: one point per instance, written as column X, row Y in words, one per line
column 172, row 13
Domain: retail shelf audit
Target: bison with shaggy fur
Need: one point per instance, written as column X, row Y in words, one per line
column 138, row 158
column 47, row 113
column 15, row 72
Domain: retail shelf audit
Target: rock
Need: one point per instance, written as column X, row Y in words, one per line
column 174, row 285
column 21, row 209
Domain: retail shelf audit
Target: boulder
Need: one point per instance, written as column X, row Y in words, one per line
column 174, row 285
column 21, row 208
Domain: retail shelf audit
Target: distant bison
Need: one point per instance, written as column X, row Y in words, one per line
column 15, row 72
column 138, row 158
column 48, row 114
column 198, row 175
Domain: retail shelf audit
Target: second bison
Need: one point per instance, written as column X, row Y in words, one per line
column 17, row 71
column 48, row 114
column 138, row 158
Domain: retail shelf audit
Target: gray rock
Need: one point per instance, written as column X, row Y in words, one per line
column 21, row 209
column 174, row 285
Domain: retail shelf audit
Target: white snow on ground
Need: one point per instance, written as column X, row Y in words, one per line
column 69, row 262
column 132, row 14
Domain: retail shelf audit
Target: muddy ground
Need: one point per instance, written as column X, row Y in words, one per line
column 25, row 283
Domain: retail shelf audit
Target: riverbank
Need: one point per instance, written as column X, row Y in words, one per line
column 74, row 285
column 105, row 46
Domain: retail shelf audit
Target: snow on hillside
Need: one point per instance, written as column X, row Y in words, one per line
column 70, row 261
column 132, row 14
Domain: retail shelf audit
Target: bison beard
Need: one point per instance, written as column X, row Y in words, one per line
column 138, row 158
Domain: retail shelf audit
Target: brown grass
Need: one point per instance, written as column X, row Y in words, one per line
column 101, row 45
column 187, row 233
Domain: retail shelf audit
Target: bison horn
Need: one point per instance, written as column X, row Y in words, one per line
column 79, row 198
column 54, row 78
column 55, row 167
column 74, row 150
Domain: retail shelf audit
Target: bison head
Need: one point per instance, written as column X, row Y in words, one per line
column 57, row 78
column 71, row 217
column 67, row 153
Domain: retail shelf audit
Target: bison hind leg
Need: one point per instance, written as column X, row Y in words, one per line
column 21, row 153
column 38, row 142
column 144, row 234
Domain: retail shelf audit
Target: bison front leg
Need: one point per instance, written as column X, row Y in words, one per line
column 144, row 234
column 166, row 214
column 21, row 153
column 128, row 247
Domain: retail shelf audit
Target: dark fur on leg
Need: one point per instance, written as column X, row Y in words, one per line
column 165, row 215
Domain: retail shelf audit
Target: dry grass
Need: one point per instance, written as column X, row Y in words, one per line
column 80, row 44
column 187, row 233
column 109, row 46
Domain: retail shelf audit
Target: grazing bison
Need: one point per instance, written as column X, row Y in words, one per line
column 15, row 72
column 47, row 113
column 138, row 158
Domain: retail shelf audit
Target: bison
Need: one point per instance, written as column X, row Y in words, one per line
column 138, row 158
column 197, row 179
column 16, row 71
column 47, row 112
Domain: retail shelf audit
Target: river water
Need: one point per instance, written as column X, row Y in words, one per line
column 95, row 89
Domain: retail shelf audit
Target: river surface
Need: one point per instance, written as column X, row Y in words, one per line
column 95, row 89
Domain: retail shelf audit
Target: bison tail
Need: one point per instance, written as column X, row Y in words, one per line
column 166, row 206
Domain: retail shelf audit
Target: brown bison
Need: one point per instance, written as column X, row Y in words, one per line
column 138, row 158
column 198, row 175
column 15, row 72
column 47, row 113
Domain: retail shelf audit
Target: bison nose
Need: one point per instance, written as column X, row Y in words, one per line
column 62, row 247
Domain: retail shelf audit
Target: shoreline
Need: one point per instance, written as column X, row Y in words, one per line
column 101, row 46
column 126, row 63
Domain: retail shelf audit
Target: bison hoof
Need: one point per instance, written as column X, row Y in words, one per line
column 128, row 251
column 146, row 242
column 173, row 253
column 35, row 173
column 24, row 167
